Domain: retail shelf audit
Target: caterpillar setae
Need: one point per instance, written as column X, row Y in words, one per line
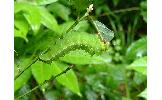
column 72, row 41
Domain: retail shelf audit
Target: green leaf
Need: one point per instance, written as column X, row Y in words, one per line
column 77, row 57
column 45, row 2
column 68, row 79
column 81, row 26
column 21, row 28
column 41, row 71
column 36, row 15
column 42, row 41
column 80, row 5
column 65, row 26
column 137, row 49
column 115, row 2
column 82, row 57
column 114, row 74
column 143, row 6
column 22, row 80
column 139, row 65
column 31, row 14
column 59, row 10
column 105, row 33
column 143, row 94
column 48, row 20
column 22, row 64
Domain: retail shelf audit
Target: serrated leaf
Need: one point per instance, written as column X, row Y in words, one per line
column 41, row 71
column 68, row 79
column 21, row 80
column 48, row 20
column 143, row 94
column 59, row 10
column 21, row 28
column 137, row 49
column 105, row 33
column 31, row 14
column 45, row 2
column 139, row 65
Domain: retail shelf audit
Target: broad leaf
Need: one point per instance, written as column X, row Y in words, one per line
column 105, row 33
column 82, row 57
column 81, row 26
column 42, row 41
column 59, row 10
column 21, row 64
column 77, row 57
column 80, row 5
column 114, row 73
column 21, row 28
column 21, row 80
column 68, row 79
column 137, row 49
column 41, row 71
column 31, row 13
column 44, row 2
column 143, row 94
column 139, row 65
column 48, row 20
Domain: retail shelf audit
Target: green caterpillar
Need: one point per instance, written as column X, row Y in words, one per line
column 72, row 41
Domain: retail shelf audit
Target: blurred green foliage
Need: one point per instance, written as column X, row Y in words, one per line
column 117, row 73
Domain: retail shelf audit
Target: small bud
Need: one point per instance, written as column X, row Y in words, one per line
column 89, row 9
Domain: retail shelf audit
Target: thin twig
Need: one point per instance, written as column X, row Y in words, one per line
column 72, row 26
column 127, row 87
column 89, row 9
column 126, row 9
column 75, row 23
column 35, row 59
column 121, row 11
column 52, row 78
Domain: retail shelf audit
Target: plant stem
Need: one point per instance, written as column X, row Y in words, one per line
column 72, row 26
column 35, row 59
column 75, row 23
column 127, row 87
column 52, row 78
column 121, row 11
column 126, row 10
